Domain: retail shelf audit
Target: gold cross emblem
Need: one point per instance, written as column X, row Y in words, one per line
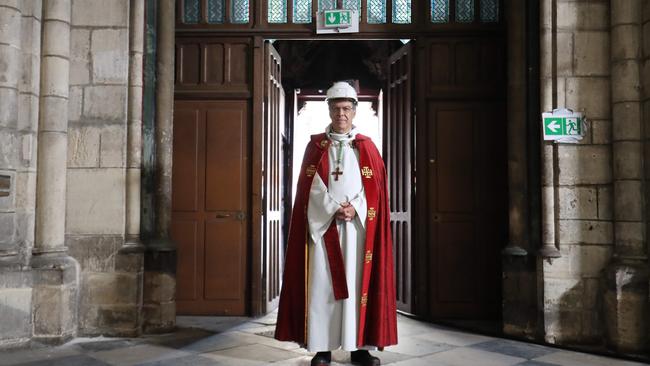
column 324, row 143
column 366, row 172
column 364, row 299
column 311, row 170
column 372, row 213
column 368, row 256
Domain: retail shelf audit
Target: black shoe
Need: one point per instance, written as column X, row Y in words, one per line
column 322, row 359
column 364, row 358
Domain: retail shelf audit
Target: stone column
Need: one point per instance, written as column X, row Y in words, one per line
column 548, row 96
column 11, row 53
column 56, row 275
column 626, row 296
column 159, row 302
column 134, row 130
column 517, row 188
column 519, row 283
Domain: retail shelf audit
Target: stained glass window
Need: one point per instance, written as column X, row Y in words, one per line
column 191, row 11
column 277, row 11
column 352, row 4
column 489, row 10
column 376, row 11
column 239, row 11
column 401, row 11
column 439, row 11
column 302, row 11
column 326, row 5
column 464, row 11
column 216, row 10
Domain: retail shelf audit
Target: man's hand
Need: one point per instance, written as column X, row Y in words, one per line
column 346, row 212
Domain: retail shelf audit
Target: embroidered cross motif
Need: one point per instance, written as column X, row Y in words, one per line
column 371, row 213
column 336, row 173
column 364, row 299
column 366, row 172
column 311, row 170
column 368, row 256
column 324, row 143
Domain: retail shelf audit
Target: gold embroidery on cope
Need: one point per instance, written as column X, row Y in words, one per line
column 311, row 170
column 324, row 143
column 366, row 172
column 371, row 213
column 368, row 256
column 364, row 299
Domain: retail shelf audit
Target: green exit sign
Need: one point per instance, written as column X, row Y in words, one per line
column 563, row 125
column 337, row 18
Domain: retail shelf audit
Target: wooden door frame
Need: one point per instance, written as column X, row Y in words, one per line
column 517, row 180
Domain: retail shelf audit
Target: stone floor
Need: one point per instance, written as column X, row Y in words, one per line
column 203, row 341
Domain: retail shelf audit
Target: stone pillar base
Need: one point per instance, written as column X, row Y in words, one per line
column 159, row 300
column 519, row 297
column 626, row 306
column 55, row 297
column 15, row 305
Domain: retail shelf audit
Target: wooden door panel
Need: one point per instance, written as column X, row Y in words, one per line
column 455, row 160
column 399, row 157
column 457, row 282
column 224, row 259
column 185, row 195
column 188, row 244
column 273, row 173
column 226, row 157
column 210, row 166
column 466, row 230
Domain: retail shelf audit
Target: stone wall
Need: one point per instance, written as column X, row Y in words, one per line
column 110, row 294
column 577, row 179
column 20, row 30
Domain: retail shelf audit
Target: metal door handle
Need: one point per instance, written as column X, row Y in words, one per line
column 222, row 216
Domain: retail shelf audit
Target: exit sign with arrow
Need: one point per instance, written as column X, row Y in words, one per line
column 563, row 125
column 337, row 21
column 337, row 18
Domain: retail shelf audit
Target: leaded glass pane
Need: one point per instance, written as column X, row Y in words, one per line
column 239, row 11
column 352, row 4
column 326, row 5
column 440, row 11
column 216, row 10
column 191, row 11
column 489, row 10
column 401, row 11
column 302, row 11
column 464, row 11
column 376, row 11
column 277, row 11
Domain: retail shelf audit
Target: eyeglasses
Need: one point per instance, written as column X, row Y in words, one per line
column 346, row 109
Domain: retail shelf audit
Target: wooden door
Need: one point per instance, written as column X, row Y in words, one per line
column 398, row 157
column 210, row 206
column 467, row 202
column 461, row 144
column 272, row 176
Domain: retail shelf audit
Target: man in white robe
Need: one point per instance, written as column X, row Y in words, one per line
column 333, row 324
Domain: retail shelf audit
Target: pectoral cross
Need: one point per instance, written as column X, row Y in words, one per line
column 336, row 173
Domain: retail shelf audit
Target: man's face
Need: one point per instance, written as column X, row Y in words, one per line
column 342, row 113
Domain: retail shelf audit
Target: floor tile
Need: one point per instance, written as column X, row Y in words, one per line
column 513, row 348
column 76, row 360
column 217, row 342
column 137, row 354
column 191, row 360
column 535, row 363
column 254, row 352
column 453, row 337
column 106, row 345
column 567, row 358
column 464, row 356
column 414, row 346
column 13, row 357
